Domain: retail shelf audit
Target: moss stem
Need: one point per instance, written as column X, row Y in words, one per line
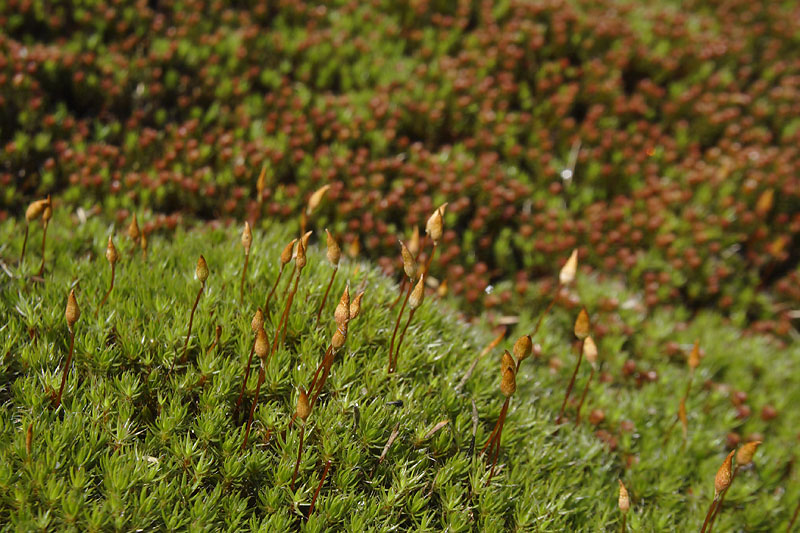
column 244, row 274
column 274, row 286
column 44, row 240
column 709, row 513
column 24, row 244
column 400, row 341
column 397, row 322
column 246, row 375
column 261, row 377
column 189, row 333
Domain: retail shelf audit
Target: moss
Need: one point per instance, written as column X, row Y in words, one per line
column 133, row 447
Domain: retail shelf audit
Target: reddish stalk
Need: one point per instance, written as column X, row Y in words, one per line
column 291, row 276
column 624, row 522
column 44, row 239
column 718, row 509
column 280, row 331
column 571, row 384
column 400, row 292
column 66, row 367
column 274, row 286
column 547, row 310
column 24, row 244
column 246, row 375
column 261, row 377
column 241, row 283
column 430, row 259
column 708, row 514
column 319, row 487
column 494, row 439
column 400, row 342
column 583, row 397
column 108, row 292
column 397, row 322
column 217, row 336
column 794, row 518
column 189, row 333
column 325, row 297
column 299, row 455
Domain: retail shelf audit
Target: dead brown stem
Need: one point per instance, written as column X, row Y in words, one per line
column 708, row 514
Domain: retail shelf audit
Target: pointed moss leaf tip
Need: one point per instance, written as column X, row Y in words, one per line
column 261, row 347
column 316, row 198
column 409, row 263
column 303, row 407
column 581, row 328
column 523, row 348
column 258, row 321
column 133, row 229
column 590, row 350
column 111, row 251
column 73, row 312
column 355, row 306
column 694, row 356
column 35, row 209
column 334, row 252
column 286, row 254
column 201, row 270
column 435, row 225
column 624, row 499
column 247, row 237
column 418, row 294
column 724, row 475
column 745, row 454
column 567, row 274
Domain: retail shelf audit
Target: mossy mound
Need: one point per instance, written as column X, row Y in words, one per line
column 134, row 446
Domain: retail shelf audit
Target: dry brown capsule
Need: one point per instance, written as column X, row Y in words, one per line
column 334, row 251
column 745, row 454
column 355, row 306
column 201, row 271
column 523, row 348
column 624, row 499
column 133, row 229
column 418, row 294
column 316, row 198
column 247, row 238
column 342, row 312
column 73, row 312
column 570, row 268
column 262, row 344
column 508, row 383
column 409, row 263
column 764, row 203
column 303, row 407
column 724, row 475
column 304, row 239
column 435, row 224
column 694, row 356
column 144, row 244
column 47, row 214
column 582, row 324
column 111, row 251
column 590, row 351
column 286, row 254
column 258, row 321
column 35, row 209
column 300, row 260
column 339, row 338
column 413, row 243
column 507, row 362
